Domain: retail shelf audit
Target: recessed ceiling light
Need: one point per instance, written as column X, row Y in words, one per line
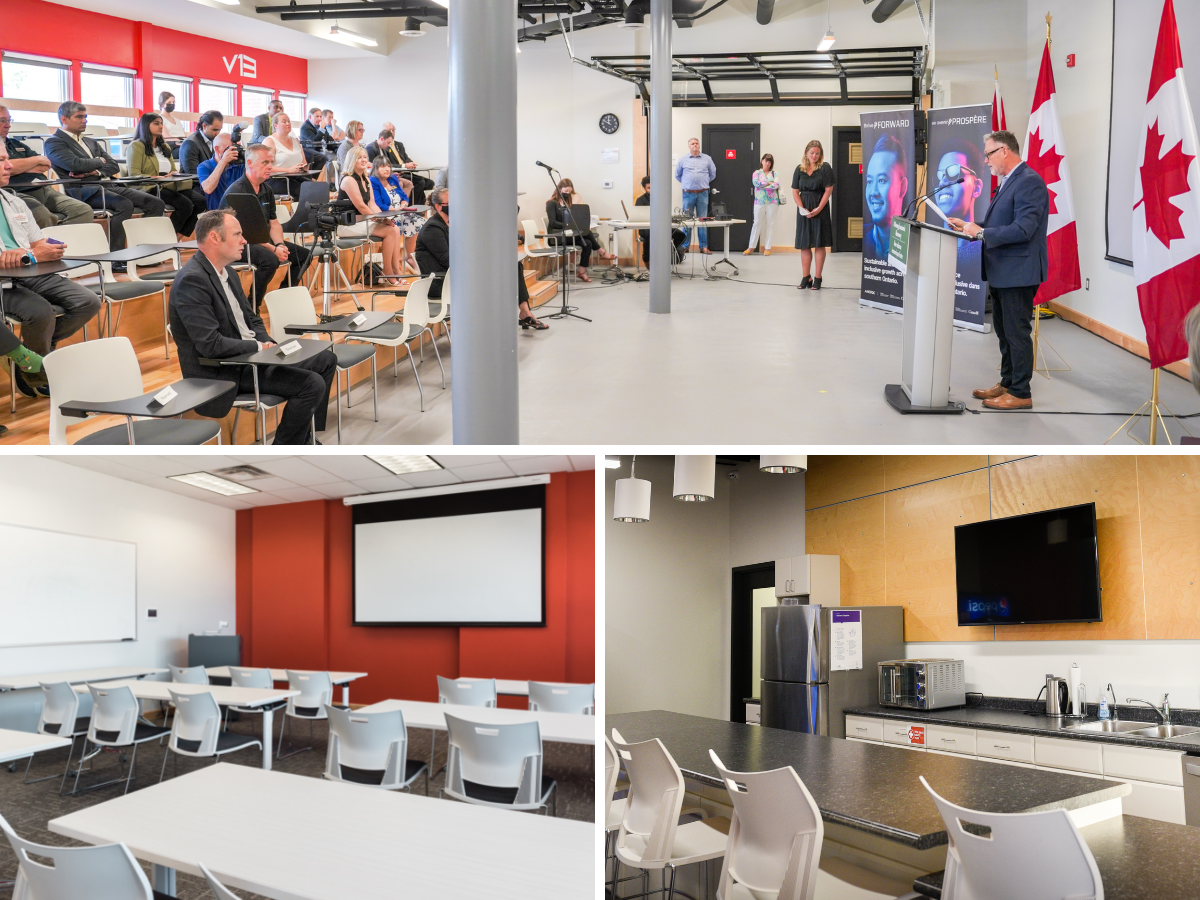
column 405, row 465
column 341, row 31
column 612, row 462
column 208, row 482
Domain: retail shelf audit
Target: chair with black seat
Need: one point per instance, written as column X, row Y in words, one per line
column 184, row 675
column 154, row 230
column 316, row 693
column 253, row 678
column 115, row 723
column 467, row 691
column 196, row 730
column 497, row 765
column 371, row 749
column 60, row 716
column 413, row 327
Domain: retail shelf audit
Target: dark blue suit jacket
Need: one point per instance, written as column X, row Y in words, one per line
column 1014, row 240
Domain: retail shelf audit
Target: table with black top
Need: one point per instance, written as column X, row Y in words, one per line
column 343, row 324
column 53, row 267
column 189, row 393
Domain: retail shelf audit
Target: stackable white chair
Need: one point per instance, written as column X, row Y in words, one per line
column 439, row 309
column 614, row 810
column 184, row 675
column 775, row 837
column 650, row 837
column 104, row 872
column 253, row 678
column 467, row 691
column 1035, row 856
column 219, row 890
column 115, row 715
column 497, row 765
column 60, row 716
column 371, row 749
column 196, row 731
column 316, row 692
column 154, row 230
column 579, row 699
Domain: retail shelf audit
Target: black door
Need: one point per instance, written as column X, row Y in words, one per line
column 847, row 197
column 735, row 151
column 746, row 579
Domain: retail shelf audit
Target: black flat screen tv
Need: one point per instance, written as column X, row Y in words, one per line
column 1037, row 568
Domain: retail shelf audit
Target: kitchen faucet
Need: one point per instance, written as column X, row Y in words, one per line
column 1164, row 713
column 1113, row 710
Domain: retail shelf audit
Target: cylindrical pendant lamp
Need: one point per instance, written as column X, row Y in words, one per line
column 785, row 465
column 695, row 478
column 631, row 497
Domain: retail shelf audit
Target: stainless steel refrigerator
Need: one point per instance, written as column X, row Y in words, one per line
column 799, row 691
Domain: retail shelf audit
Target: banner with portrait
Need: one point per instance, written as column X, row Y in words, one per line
column 956, row 166
column 889, row 185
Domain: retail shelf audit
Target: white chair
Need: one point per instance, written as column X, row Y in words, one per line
column 1034, row 856
column 253, row 678
column 541, row 247
column 154, row 230
column 439, row 309
column 614, row 810
column 182, row 675
column 89, row 239
column 294, row 306
column 650, row 837
column 775, row 837
column 219, row 890
column 579, row 699
column 60, row 716
column 115, row 715
column 497, row 765
column 107, row 370
column 467, row 691
column 371, row 749
column 104, row 872
column 316, row 692
column 414, row 325
column 196, row 730
column 30, row 128
column 98, row 131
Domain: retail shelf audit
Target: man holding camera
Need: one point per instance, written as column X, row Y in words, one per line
column 217, row 174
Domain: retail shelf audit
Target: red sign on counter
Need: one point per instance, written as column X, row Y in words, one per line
column 916, row 734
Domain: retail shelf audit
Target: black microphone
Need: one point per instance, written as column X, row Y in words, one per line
column 916, row 202
column 544, row 166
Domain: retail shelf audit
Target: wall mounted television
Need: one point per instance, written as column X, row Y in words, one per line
column 1038, row 568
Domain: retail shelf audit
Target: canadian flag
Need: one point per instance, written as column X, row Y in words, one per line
column 1166, row 203
column 999, row 122
column 1046, row 155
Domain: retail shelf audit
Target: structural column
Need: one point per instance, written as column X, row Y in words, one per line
column 660, row 156
column 483, row 188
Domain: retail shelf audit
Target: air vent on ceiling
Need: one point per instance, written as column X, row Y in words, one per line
column 242, row 473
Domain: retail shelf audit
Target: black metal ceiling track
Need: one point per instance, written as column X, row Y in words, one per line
column 845, row 66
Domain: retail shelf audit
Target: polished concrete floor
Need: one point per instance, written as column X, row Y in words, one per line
column 753, row 360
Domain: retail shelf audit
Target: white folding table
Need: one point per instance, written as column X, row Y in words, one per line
column 280, row 675
column 291, row 837
column 224, row 695
column 711, row 272
column 77, row 676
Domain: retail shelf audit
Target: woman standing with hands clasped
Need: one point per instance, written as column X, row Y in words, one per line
column 767, row 198
column 812, row 186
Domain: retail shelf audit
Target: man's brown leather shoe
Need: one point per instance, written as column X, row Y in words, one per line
column 989, row 393
column 1008, row 401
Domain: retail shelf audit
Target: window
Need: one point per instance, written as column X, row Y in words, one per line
column 35, row 78
column 179, row 86
column 255, row 101
column 107, row 86
column 295, row 106
column 216, row 95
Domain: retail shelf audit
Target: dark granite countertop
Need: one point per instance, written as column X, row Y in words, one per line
column 1137, row 858
column 867, row 787
column 1017, row 721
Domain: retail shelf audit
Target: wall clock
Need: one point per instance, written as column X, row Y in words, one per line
column 609, row 123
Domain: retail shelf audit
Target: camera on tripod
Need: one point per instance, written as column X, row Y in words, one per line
column 324, row 218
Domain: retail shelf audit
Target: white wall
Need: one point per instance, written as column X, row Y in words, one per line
column 185, row 559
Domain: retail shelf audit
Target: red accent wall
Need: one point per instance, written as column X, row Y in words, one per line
column 294, row 604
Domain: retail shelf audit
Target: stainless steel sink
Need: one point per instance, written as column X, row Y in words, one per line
column 1164, row 732
column 1106, row 725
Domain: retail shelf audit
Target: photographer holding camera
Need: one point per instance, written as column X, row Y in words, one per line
column 217, row 174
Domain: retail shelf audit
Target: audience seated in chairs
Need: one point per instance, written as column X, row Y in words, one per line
column 175, row 131
column 217, row 174
column 330, row 126
column 356, row 187
column 263, row 123
column 392, row 193
column 72, row 153
column 319, row 147
column 199, row 144
column 34, row 302
column 354, row 135
column 46, row 204
column 266, row 258
column 291, row 164
column 150, row 155
column 421, row 184
column 557, row 219
column 212, row 319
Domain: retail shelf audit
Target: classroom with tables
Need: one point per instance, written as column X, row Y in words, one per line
column 169, row 622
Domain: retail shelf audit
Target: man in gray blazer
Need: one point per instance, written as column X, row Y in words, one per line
column 1015, row 263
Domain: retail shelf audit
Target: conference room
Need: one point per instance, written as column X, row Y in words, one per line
column 171, row 622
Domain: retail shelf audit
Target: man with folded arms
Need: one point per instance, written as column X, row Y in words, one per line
column 45, row 203
column 212, row 319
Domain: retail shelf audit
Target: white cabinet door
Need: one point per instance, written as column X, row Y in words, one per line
column 1057, row 753
column 783, row 578
column 1154, row 801
column 864, row 729
column 1144, row 764
column 906, row 734
column 1004, row 745
column 951, row 740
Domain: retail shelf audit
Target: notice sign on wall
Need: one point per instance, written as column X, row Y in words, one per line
column 845, row 640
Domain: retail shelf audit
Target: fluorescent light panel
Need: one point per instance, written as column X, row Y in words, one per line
column 405, row 465
column 344, row 32
column 826, row 42
column 217, row 485
column 612, row 462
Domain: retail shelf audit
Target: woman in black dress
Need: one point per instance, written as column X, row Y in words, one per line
column 812, row 186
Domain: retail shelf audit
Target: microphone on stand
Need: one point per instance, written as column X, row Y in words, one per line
column 913, row 206
column 544, row 166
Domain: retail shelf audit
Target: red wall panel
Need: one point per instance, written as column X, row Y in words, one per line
column 581, row 579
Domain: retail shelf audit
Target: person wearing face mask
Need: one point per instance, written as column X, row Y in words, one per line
column 558, row 218
column 174, row 131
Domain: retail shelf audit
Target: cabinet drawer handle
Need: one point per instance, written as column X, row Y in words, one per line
column 1001, row 747
column 858, row 728
column 947, row 740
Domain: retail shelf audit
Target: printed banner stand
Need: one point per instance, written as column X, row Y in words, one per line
column 889, row 187
column 898, row 246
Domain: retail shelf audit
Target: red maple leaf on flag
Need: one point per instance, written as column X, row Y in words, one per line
column 1163, row 177
column 1045, row 164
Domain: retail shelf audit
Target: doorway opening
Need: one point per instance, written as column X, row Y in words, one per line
column 753, row 588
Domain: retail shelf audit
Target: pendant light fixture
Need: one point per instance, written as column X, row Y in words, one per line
column 695, row 477
column 827, row 41
column 631, row 497
column 782, row 465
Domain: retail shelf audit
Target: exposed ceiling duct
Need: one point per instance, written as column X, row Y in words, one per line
column 766, row 9
column 884, row 10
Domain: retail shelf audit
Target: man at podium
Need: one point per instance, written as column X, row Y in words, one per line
column 1015, row 263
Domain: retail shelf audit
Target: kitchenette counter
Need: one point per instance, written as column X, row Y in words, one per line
column 866, row 787
column 1137, row 858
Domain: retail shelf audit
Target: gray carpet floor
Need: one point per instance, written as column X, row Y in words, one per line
column 28, row 808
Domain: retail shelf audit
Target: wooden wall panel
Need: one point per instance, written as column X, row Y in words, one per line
column 855, row 532
column 998, row 460
column 836, row 479
column 1169, row 491
column 1046, row 482
column 904, row 471
column 919, row 554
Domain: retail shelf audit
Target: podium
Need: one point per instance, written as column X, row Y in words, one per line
column 927, row 255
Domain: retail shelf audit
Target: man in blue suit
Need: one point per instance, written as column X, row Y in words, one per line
column 1015, row 264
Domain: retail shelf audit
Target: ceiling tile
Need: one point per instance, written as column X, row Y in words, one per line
column 297, row 470
column 181, row 465
column 458, row 462
column 263, row 499
column 485, row 472
column 431, row 479
column 384, row 483
column 583, row 463
column 536, row 465
column 298, row 495
column 267, row 485
column 338, row 489
column 349, row 468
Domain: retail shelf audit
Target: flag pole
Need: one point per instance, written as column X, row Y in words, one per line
column 1154, row 409
column 1155, row 415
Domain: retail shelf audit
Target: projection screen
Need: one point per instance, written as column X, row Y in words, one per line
column 1135, row 33
column 462, row 559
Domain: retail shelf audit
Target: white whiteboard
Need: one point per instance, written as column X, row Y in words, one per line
column 65, row 588
column 478, row 568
